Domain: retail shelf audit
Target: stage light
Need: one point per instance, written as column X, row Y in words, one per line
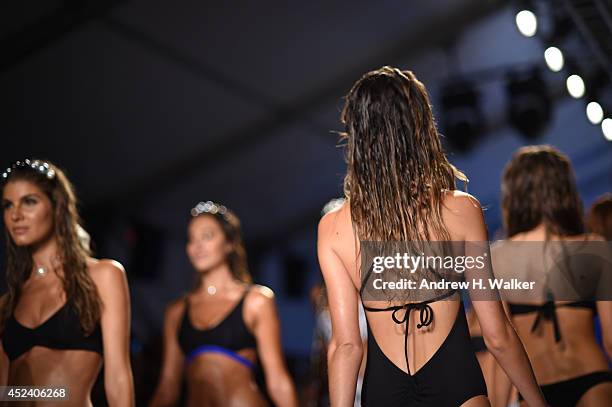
column 462, row 119
column 594, row 112
column 575, row 86
column 606, row 127
column 527, row 23
column 554, row 59
column 529, row 104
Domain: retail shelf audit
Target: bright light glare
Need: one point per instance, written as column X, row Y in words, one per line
column 527, row 23
column 606, row 127
column 554, row 59
column 575, row 86
column 594, row 112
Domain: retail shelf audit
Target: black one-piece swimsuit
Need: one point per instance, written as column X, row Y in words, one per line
column 450, row 378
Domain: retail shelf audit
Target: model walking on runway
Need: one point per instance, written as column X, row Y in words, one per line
column 400, row 187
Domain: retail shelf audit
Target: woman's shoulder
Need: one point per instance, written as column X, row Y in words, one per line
column 456, row 200
column 258, row 297
column 259, row 293
column 462, row 215
column 105, row 271
column 336, row 222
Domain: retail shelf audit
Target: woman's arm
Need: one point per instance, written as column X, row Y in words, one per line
column 111, row 282
column 266, row 329
column 505, row 345
column 498, row 384
column 169, row 384
column 4, row 366
column 4, row 360
column 498, row 333
column 604, row 309
column 502, row 387
column 501, row 383
column 345, row 348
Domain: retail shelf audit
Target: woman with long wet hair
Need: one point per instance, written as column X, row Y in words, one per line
column 401, row 188
column 66, row 313
column 542, row 214
column 218, row 332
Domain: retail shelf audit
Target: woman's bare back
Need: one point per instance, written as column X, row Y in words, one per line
column 423, row 342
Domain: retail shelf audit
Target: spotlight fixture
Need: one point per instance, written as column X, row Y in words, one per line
column 597, row 95
column 462, row 119
column 527, row 23
column 594, row 112
column 529, row 104
column 554, row 59
column 575, row 86
column 606, row 127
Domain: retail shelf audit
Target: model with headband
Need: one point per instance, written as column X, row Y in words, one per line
column 224, row 326
column 65, row 314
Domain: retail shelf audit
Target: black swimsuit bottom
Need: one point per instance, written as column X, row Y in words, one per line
column 451, row 377
column 565, row 393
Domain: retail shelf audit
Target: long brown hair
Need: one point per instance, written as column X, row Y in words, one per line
column 81, row 292
column 397, row 170
column 538, row 186
column 237, row 258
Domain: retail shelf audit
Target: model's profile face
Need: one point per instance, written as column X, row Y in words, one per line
column 207, row 247
column 28, row 213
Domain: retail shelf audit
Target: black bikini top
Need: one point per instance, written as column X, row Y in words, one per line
column 230, row 334
column 62, row 330
column 548, row 311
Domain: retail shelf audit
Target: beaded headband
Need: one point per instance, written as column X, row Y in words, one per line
column 209, row 207
column 41, row 167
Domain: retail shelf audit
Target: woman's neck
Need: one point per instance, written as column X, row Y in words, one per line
column 219, row 278
column 46, row 254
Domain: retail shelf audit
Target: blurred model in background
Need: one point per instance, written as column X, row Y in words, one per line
column 217, row 333
column 540, row 203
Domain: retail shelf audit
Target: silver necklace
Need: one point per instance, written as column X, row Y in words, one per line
column 211, row 289
column 41, row 271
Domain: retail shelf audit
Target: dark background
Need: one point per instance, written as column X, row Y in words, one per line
column 152, row 106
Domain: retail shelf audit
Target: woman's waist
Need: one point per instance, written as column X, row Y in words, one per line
column 216, row 381
column 565, row 360
column 75, row 374
column 220, row 367
column 45, row 364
